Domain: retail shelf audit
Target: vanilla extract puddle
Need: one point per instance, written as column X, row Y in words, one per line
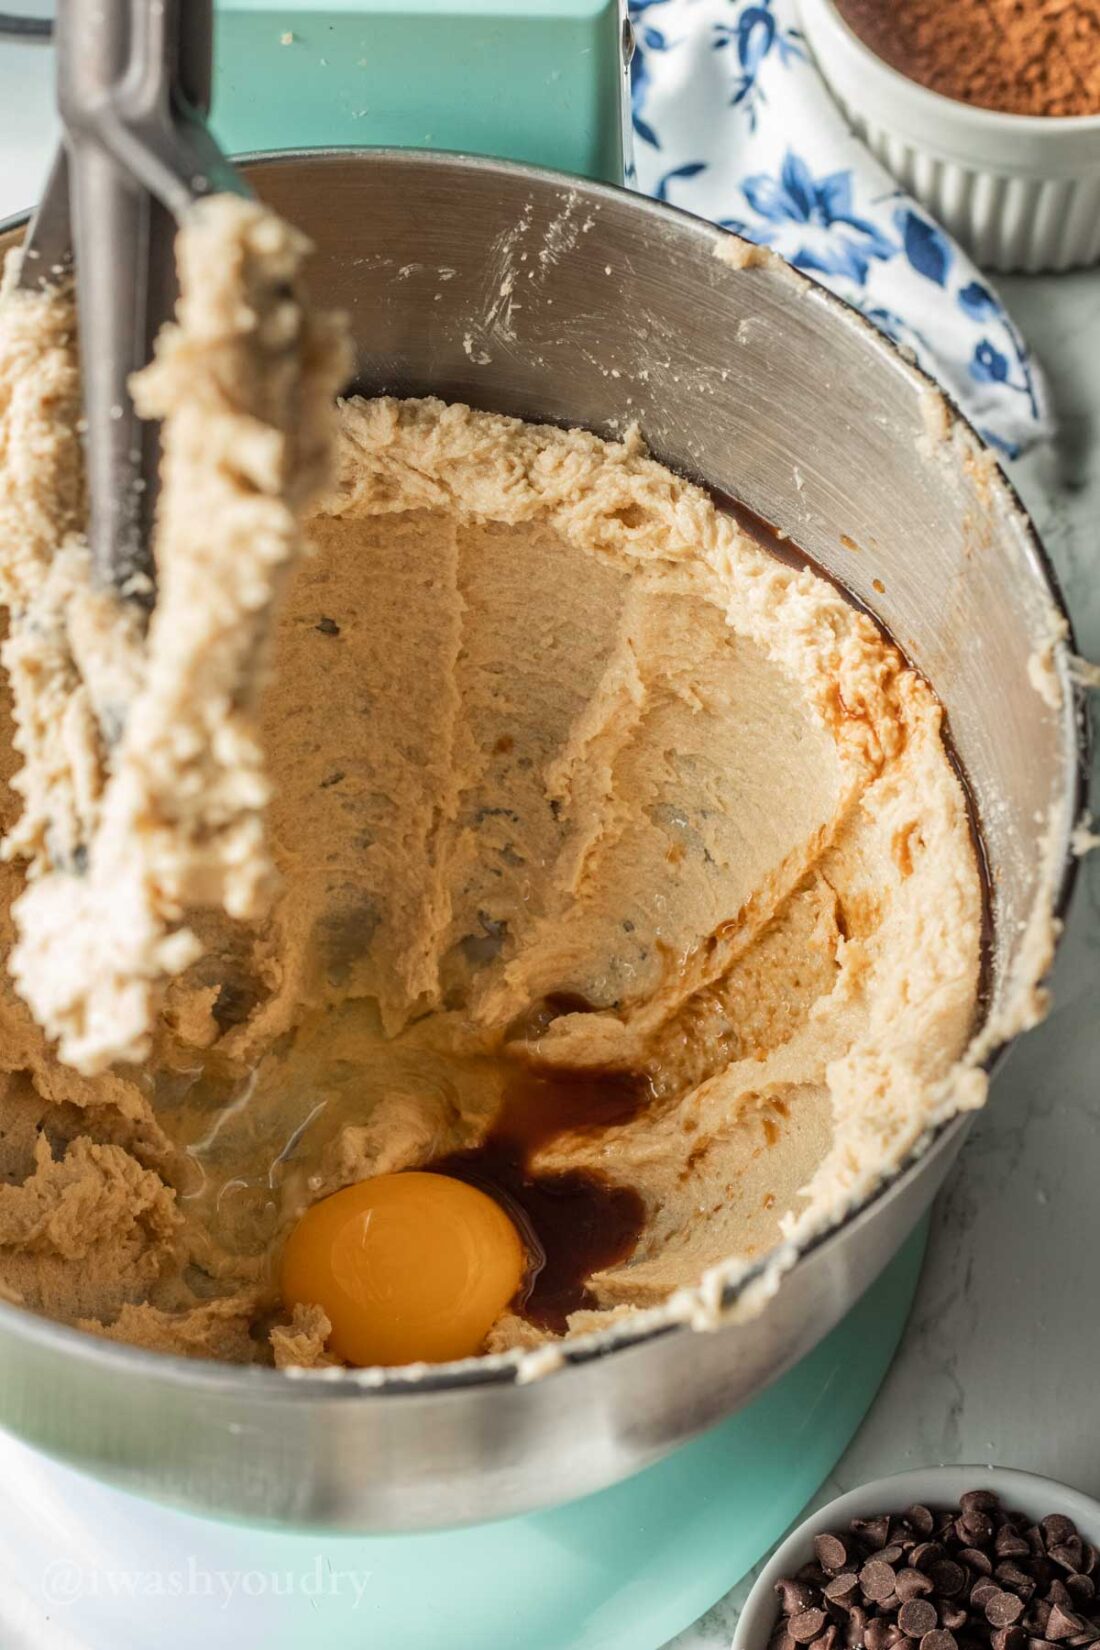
column 574, row 1223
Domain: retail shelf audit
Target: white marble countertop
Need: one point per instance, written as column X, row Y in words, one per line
column 1001, row 1360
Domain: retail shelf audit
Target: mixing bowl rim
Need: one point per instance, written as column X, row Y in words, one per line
column 254, row 1381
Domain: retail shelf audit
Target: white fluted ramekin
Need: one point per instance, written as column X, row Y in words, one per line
column 1020, row 192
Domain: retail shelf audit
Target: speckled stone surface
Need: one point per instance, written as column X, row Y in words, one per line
column 1001, row 1360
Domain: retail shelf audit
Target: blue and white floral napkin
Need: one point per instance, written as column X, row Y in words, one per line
column 733, row 121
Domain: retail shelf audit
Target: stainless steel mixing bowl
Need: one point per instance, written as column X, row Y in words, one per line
column 526, row 292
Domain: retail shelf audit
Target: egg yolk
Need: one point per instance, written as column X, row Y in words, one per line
column 407, row 1267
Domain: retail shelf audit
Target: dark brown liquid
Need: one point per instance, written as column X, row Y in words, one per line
column 574, row 1223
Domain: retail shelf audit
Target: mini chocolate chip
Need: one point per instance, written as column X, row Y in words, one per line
column 1082, row 1587
column 806, row 1625
column 980, row 1501
column 794, row 1595
column 982, row 1591
column 913, row 1584
column 920, row 1520
column 917, row 1617
column 832, row 1553
column 926, row 1554
column 1069, row 1553
column 877, row 1635
column 940, row 1638
column 1062, row 1624
column 877, row 1579
column 1009, row 1543
column 975, row 1559
column 890, row 1554
column 947, row 1577
column 1039, row 1613
column 857, row 1623
column 1008, row 1638
column 1002, row 1609
column 1057, row 1528
column 327, row 627
column 842, row 1587
column 1014, row 1577
column 872, row 1533
column 974, row 1529
column 1059, row 1593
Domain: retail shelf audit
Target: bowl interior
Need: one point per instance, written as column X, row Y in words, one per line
column 526, row 293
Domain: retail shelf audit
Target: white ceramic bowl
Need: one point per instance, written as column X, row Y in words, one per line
column 931, row 1487
column 1021, row 192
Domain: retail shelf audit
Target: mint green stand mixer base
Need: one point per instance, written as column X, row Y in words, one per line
column 625, row 1569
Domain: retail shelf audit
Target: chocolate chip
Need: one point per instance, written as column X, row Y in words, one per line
column 982, row 1591
column 917, row 1617
column 877, row 1634
column 912, row 1584
column 953, row 1616
column 1015, row 1578
column 825, row 1640
column 974, row 1528
column 939, row 1639
column 794, row 1596
column 872, row 1533
column 1090, row 1558
column 926, row 1554
column 1082, row 1587
column 877, row 1579
column 976, row 1560
column 857, row 1623
column 1008, row 1638
column 889, row 1554
column 1009, row 1543
column 1057, row 1528
column 979, row 1501
column 947, row 1577
column 920, row 1520
column 1069, row 1554
column 843, row 1587
column 812, row 1572
column 1003, row 1608
column 806, row 1625
column 1062, row 1624
column 1040, row 1644
column 833, row 1553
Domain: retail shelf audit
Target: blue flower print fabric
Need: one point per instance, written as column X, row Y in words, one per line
column 733, row 121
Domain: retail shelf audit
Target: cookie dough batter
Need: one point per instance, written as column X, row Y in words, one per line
column 561, row 769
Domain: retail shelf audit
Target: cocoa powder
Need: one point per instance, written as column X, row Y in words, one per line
column 1025, row 57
